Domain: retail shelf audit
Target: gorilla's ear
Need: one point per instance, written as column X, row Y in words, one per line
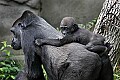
column 74, row 28
column 75, row 25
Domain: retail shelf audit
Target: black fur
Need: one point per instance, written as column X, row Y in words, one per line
column 72, row 33
column 23, row 39
column 93, row 42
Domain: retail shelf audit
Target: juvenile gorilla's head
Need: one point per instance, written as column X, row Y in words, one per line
column 18, row 26
column 68, row 25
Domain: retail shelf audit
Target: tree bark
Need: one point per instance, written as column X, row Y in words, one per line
column 108, row 24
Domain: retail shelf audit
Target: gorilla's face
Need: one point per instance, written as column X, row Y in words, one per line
column 16, row 40
column 64, row 30
column 67, row 25
column 19, row 26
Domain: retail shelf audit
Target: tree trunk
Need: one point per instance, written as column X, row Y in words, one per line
column 108, row 24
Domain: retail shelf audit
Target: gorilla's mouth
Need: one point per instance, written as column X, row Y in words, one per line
column 15, row 46
column 63, row 35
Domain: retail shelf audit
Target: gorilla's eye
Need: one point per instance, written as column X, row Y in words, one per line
column 64, row 28
column 20, row 24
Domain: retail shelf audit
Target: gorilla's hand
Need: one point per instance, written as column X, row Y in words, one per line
column 39, row 42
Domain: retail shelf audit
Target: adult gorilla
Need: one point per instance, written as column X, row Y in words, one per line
column 68, row 62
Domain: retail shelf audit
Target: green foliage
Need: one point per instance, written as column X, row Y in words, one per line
column 117, row 73
column 8, row 67
column 44, row 72
column 116, row 70
column 90, row 25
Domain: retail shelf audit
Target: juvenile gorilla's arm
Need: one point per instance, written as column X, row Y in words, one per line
column 96, row 46
column 55, row 42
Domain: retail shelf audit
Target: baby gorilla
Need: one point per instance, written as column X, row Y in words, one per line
column 72, row 33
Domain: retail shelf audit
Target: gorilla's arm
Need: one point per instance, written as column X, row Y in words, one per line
column 55, row 42
column 96, row 46
column 97, row 49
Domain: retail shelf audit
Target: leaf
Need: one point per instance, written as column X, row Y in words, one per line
column 94, row 20
column 9, row 46
column 13, row 77
column 91, row 23
column 4, row 43
column 1, row 69
column 7, row 52
column 2, row 48
column 2, row 75
column 7, row 78
column 44, row 72
column 16, row 68
column 2, row 63
column 7, row 65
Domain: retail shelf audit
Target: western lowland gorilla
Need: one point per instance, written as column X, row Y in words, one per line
column 72, row 33
column 93, row 42
column 29, row 27
column 23, row 39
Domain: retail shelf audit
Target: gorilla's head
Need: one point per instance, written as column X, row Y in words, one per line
column 68, row 25
column 18, row 26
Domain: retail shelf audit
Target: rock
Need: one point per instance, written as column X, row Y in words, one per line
column 10, row 10
column 83, row 10
column 21, row 1
column 52, row 10
column 34, row 4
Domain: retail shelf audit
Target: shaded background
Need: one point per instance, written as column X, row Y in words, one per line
column 51, row 10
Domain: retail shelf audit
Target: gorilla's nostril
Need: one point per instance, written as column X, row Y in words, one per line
column 12, row 39
column 12, row 29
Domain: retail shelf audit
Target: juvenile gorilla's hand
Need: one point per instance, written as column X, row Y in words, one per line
column 39, row 42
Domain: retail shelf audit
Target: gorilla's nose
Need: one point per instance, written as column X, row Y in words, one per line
column 64, row 32
column 12, row 29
